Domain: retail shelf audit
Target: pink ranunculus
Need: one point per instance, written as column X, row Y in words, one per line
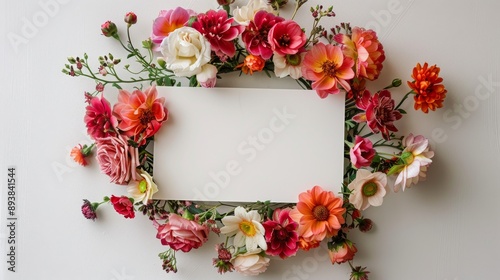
column 123, row 206
column 141, row 114
column 182, row 234
column 379, row 112
column 167, row 21
column 256, row 33
column 286, row 37
column 98, row 118
column 281, row 234
column 362, row 152
column 219, row 31
column 117, row 159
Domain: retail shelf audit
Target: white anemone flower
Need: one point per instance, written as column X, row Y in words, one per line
column 246, row 228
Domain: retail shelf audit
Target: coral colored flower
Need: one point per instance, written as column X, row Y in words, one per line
column 144, row 189
column 117, row 159
column 141, row 113
column 98, row 118
column 168, row 21
column 307, row 245
column 88, row 210
column 326, row 67
column 246, row 14
column 252, row 63
column 79, row 153
column 415, row 158
column 286, row 37
column 379, row 112
column 250, row 263
column 288, row 65
column 182, row 234
column 362, row 152
column 430, row 93
column 219, row 31
column 367, row 189
column 281, row 234
column 247, row 229
column 341, row 252
column 365, row 49
column 319, row 214
column 123, row 206
column 256, row 33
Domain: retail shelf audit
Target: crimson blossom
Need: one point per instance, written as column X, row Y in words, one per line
column 255, row 35
column 281, row 234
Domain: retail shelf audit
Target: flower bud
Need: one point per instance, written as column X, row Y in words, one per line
column 396, row 82
column 109, row 29
column 225, row 2
column 130, row 18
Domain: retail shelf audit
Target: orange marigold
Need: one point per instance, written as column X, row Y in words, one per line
column 429, row 92
column 252, row 63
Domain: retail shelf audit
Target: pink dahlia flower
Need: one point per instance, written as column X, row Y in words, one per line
column 326, row 67
column 256, row 33
column 182, row 234
column 98, row 118
column 362, row 152
column 286, row 37
column 281, row 234
column 219, row 31
column 141, row 114
column 168, row 21
column 379, row 112
column 117, row 159
column 365, row 49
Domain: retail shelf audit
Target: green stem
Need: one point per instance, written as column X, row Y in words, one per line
column 403, row 100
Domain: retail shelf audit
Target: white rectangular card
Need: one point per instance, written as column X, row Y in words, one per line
column 228, row 144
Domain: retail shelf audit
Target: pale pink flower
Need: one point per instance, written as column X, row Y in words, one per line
column 250, row 263
column 362, row 152
column 367, row 189
column 182, row 234
column 286, row 37
column 208, row 76
column 117, row 159
column 415, row 157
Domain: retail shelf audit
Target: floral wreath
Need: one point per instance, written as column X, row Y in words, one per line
column 248, row 39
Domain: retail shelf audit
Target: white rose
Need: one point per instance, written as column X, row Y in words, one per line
column 185, row 51
column 245, row 14
column 250, row 263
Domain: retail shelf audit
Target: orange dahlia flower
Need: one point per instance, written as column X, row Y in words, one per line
column 252, row 63
column 319, row 214
column 430, row 93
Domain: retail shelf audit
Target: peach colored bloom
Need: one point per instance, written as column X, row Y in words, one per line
column 319, row 214
column 141, row 113
column 252, row 63
column 182, row 234
column 327, row 68
column 365, row 49
column 342, row 252
column 367, row 189
column 168, row 21
column 251, row 263
column 117, row 159
column 430, row 93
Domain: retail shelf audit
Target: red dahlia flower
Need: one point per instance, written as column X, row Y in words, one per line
column 430, row 93
column 98, row 118
column 281, row 234
column 218, row 30
column 379, row 112
column 141, row 114
column 256, row 33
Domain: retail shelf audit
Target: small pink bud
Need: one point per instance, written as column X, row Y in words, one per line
column 131, row 18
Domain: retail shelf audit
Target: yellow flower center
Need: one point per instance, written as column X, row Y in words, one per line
column 329, row 68
column 369, row 189
column 321, row 213
column 143, row 186
column 247, row 228
column 407, row 158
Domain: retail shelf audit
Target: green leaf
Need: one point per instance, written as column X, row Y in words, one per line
column 402, row 111
column 116, row 86
column 130, row 55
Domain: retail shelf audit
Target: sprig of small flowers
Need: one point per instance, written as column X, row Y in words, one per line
column 249, row 39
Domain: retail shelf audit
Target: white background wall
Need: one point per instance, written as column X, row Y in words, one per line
column 442, row 229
